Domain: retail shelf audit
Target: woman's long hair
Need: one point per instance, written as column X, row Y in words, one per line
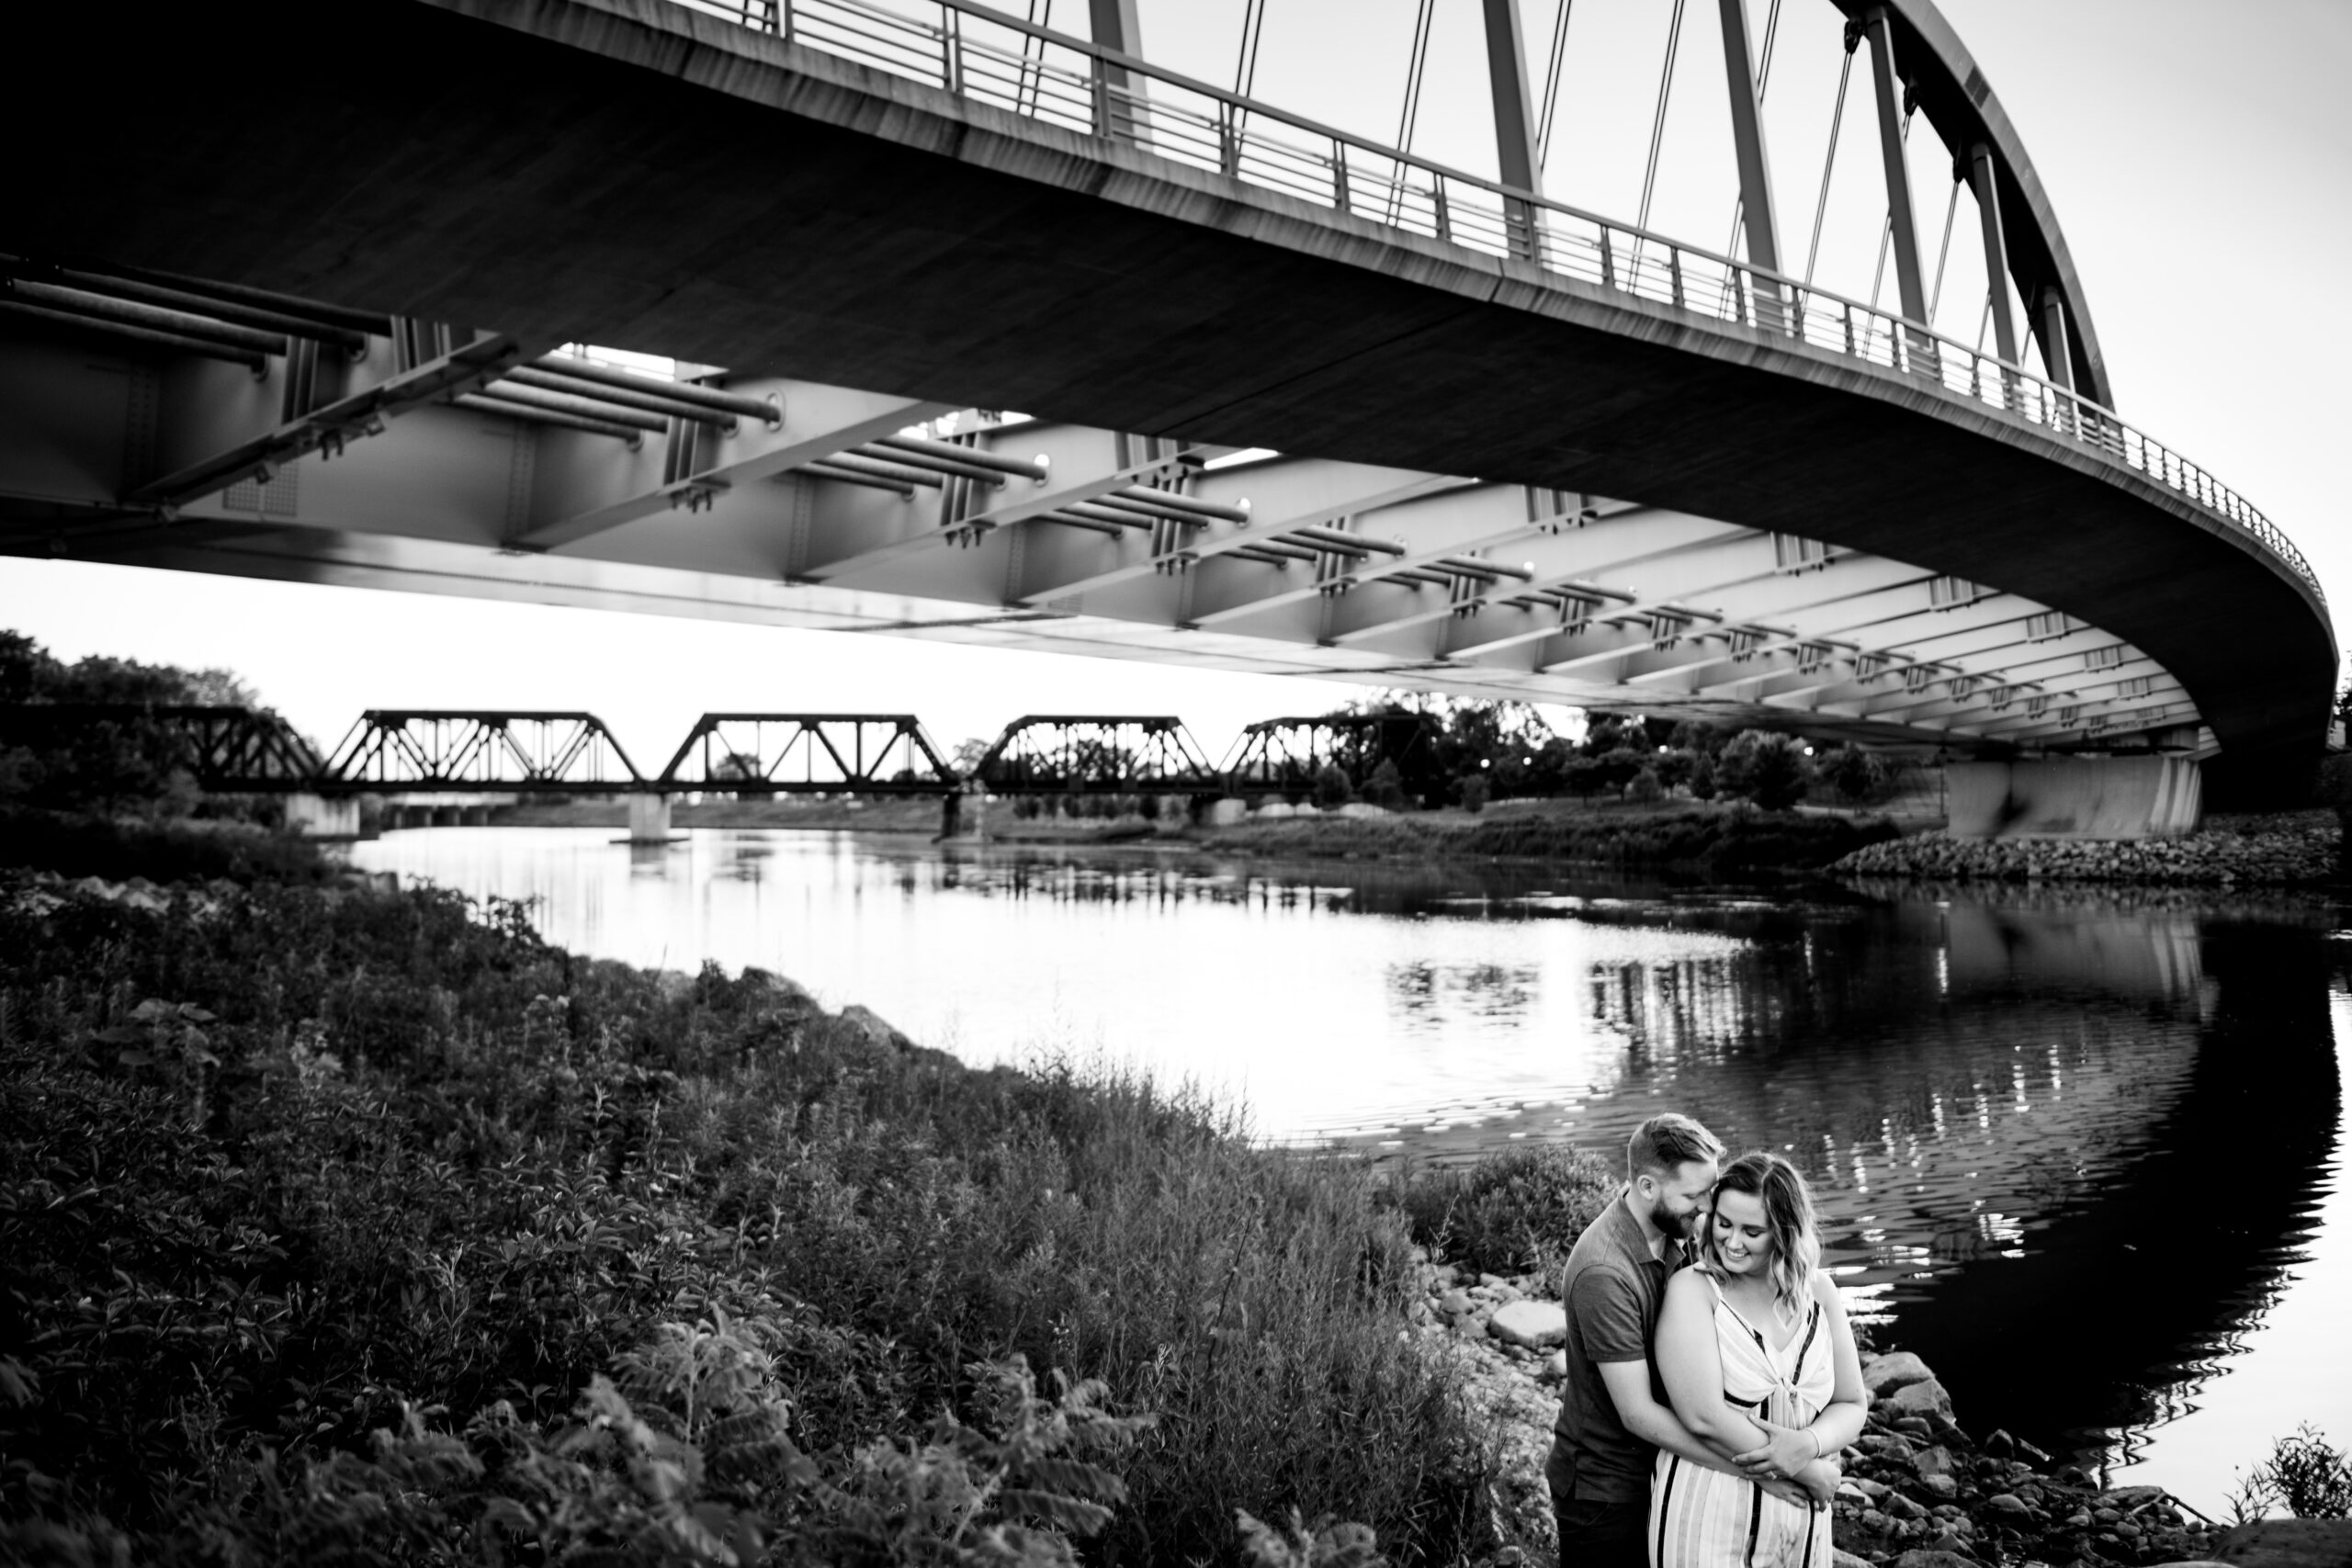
column 1787, row 1220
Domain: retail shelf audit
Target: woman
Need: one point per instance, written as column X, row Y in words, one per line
column 1759, row 1361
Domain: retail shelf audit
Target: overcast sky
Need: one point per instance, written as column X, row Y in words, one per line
column 2199, row 165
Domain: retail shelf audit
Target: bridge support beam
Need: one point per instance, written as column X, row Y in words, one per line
column 1757, row 218
column 2074, row 797
column 1515, row 150
column 648, row 819
column 323, row 816
column 1902, row 219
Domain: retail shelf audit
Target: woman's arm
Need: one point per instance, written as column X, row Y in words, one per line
column 1791, row 1451
column 1693, row 1368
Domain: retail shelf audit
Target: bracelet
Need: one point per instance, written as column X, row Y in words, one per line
column 1817, row 1450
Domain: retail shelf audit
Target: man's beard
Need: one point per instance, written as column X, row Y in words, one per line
column 1673, row 1227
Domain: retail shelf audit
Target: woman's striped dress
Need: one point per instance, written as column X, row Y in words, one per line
column 1704, row 1518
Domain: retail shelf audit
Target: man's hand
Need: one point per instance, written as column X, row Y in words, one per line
column 1785, row 1452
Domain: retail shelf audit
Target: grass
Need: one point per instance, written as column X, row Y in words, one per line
column 309, row 1194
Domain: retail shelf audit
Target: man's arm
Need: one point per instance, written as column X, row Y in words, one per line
column 1628, row 1384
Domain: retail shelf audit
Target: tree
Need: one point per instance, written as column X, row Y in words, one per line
column 1767, row 768
column 1385, row 788
column 1332, row 789
column 1853, row 773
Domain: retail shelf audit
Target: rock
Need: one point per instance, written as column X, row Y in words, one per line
column 1897, row 1506
column 1534, row 1325
column 1934, row 1460
column 2129, row 1497
column 1943, row 1486
column 2009, row 1508
column 1870, row 1490
column 1932, row 1557
column 1843, row 1559
column 2288, row 1543
column 1869, row 1530
column 1556, row 1366
column 1920, row 1400
column 1887, row 1446
column 1454, row 1303
column 1884, row 1374
column 872, row 1028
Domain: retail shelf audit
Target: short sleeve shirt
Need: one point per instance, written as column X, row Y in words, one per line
column 1612, row 1291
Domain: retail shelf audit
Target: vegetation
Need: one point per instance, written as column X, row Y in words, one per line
column 1519, row 1211
column 1720, row 839
column 370, row 1228
column 2303, row 1475
column 117, row 766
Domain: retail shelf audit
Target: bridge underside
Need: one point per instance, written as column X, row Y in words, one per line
column 1903, row 567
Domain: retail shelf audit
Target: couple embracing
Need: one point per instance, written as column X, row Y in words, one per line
column 1711, row 1371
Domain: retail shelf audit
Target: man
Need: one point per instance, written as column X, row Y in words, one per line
column 1613, row 1412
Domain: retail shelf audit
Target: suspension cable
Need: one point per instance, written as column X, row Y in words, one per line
column 1657, row 121
column 1552, row 83
column 1032, row 78
column 1245, row 69
column 1412, row 110
column 1943, row 251
column 1828, row 162
column 1420, row 57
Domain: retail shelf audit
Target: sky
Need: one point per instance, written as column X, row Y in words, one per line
column 2199, row 168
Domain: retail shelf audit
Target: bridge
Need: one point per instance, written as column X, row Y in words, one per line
column 1300, row 400
column 482, row 755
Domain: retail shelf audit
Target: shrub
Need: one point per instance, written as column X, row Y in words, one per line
column 1385, row 788
column 1518, row 1211
column 2303, row 1475
column 1472, row 791
column 1645, row 786
column 1331, row 787
column 1702, row 777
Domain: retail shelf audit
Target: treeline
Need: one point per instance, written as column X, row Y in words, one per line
column 118, row 766
column 1465, row 753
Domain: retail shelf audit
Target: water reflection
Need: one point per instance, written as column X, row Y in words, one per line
column 2072, row 1147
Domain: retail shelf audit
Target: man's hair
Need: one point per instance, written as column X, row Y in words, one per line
column 1663, row 1143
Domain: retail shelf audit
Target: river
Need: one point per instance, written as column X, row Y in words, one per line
column 2084, row 1152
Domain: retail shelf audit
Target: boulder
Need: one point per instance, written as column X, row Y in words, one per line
column 1455, row 1303
column 1534, row 1325
column 872, row 1028
column 1556, row 1366
column 1842, row 1558
column 2009, row 1508
column 2287, row 1543
column 1920, row 1400
column 1932, row 1461
column 1884, row 1374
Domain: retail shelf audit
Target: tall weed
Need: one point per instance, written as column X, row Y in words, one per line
column 395, row 1154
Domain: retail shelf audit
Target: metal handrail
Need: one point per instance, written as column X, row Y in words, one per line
column 1010, row 63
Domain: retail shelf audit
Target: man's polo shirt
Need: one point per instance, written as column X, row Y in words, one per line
column 1612, row 1291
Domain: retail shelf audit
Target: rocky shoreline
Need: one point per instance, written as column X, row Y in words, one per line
column 2297, row 850
column 1919, row 1492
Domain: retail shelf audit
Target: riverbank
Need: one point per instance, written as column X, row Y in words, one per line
column 341, row 1161
column 1916, row 1482
column 1715, row 840
column 2290, row 848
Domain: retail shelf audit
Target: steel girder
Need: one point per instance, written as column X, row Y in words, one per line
column 857, row 510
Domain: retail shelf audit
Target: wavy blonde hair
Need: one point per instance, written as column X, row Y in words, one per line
column 1787, row 1220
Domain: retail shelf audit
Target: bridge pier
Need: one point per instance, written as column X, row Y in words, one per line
column 648, row 819
column 2074, row 797
column 323, row 816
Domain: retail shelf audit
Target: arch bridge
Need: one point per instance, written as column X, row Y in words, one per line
column 1301, row 400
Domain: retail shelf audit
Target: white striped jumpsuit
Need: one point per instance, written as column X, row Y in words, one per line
column 1704, row 1518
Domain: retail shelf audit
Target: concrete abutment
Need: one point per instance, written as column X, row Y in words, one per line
column 2074, row 797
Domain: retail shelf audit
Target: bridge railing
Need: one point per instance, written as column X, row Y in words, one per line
column 1012, row 64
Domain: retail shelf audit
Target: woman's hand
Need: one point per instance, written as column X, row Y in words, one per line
column 1785, row 1454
